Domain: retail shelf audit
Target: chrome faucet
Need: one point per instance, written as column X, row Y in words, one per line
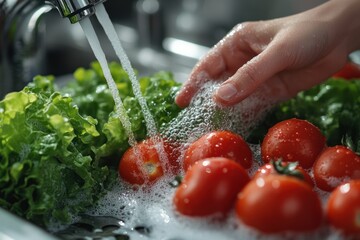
column 22, row 51
column 74, row 10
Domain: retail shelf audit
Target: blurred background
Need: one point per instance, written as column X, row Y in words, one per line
column 159, row 34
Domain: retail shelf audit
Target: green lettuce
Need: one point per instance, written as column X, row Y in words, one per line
column 333, row 106
column 47, row 167
column 59, row 147
column 91, row 95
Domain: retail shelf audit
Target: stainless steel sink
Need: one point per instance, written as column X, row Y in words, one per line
column 64, row 55
column 15, row 228
column 156, row 34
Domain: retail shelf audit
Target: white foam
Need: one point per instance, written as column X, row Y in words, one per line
column 152, row 207
column 204, row 115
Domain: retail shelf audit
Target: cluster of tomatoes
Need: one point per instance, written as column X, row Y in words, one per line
column 280, row 196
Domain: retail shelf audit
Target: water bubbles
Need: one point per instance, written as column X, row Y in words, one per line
column 204, row 115
column 148, row 212
column 153, row 207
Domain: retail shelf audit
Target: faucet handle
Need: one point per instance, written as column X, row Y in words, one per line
column 150, row 23
column 75, row 10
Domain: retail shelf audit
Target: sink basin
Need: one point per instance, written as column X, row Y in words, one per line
column 67, row 49
column 170, row 37
column 65, row 55
column 13, row 227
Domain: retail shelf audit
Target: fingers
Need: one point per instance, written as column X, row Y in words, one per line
column 266, row 53
column 302, row 79
column 208, row 68
column 250, row 76
column 286, row 84
column 223, row 60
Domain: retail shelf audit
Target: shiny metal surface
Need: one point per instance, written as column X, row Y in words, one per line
column 22, row 52
column 75, row 10
column 14, row 228
column 157, row 35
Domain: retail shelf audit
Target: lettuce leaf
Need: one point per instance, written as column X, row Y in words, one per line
column 91, row 95
column 58, row 148
column 333, row 106
column 47, row 167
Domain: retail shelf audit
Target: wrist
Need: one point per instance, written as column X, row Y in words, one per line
column 344, row 16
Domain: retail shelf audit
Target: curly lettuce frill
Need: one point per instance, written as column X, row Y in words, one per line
column 47, row 165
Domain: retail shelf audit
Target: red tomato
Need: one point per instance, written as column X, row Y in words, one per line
column 278, row 203
column 293, row 140
column 343, row 208
column 284, row 168
column 219, row 144
column 142, row 164
column 209, row 187
column 336, row 165
column 349, row 71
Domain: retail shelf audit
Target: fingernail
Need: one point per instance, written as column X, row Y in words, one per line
column 226, row 92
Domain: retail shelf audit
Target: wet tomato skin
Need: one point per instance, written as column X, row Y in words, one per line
column 268, row 169
column 219, row 144
column 349, row 71
column 278, row 203
column 334, row 166
column 141, row 164
column 343, row 208
column 209, row 187
column 293, row 140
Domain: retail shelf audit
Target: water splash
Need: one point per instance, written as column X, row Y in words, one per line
column 100, row 56
column 152, row 130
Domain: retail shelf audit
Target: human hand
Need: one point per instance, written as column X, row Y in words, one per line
column 284, row 55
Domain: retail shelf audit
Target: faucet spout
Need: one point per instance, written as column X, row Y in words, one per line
column 22, row 52
column 75, row 10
